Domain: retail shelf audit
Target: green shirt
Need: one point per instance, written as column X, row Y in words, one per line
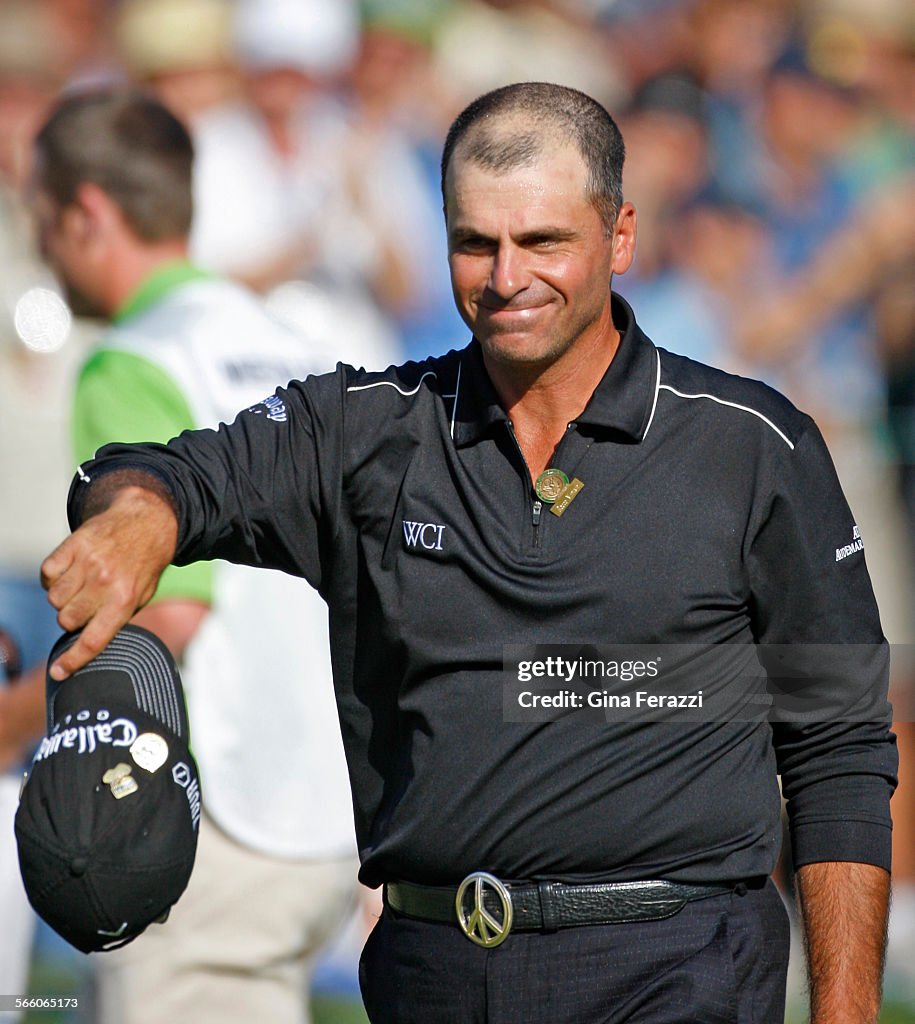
column 120, row 396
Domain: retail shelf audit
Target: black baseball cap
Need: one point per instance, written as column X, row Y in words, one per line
column 109, row 811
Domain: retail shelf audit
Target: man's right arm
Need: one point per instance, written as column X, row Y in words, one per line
column 109, row 566
column 251, row 492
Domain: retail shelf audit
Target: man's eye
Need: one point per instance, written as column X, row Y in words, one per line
column 473, row 245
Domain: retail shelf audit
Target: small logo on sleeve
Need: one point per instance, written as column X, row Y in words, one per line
column 857, row 544
column 274, row 407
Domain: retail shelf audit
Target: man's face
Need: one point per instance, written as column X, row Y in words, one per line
column 64, row 236
column 530, row 258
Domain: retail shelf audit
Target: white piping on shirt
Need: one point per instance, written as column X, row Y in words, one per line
column 732, row 405
column 457, row 391
column 654, row 404
column 407, row 394
column 391, row 384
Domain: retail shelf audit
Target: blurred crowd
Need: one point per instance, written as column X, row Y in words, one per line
column 771, row 158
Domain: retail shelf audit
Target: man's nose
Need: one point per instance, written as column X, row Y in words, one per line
column 509, row 274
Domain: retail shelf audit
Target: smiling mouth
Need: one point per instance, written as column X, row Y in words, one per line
column 495, row 310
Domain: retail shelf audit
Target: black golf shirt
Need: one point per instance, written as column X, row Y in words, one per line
column 710, row 514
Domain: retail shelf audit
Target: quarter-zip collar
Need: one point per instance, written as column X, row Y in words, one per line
column 622, row 402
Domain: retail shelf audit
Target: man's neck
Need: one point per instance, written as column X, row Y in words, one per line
column 134, row 265
column 541, row 402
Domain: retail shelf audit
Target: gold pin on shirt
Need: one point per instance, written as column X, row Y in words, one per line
column 554, row 488
column 566, row 496
column 549, row 485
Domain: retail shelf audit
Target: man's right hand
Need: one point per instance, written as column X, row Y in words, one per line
column 108, row 568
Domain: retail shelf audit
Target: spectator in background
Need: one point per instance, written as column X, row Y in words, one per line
column 181, row 50
column 398, row 111
column 667, row 158
column 276, row 870
column 267, row 164
column 35, row 363
column 81, row 33
column 714, row 251
column 895, row 321
column 285, row 165
column 274, row 179
column 483, row 44
column 642, row 39
column 833, row 364
column 730, row 48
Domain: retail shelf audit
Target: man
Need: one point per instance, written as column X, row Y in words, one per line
column 275, row 871
column 611, row 870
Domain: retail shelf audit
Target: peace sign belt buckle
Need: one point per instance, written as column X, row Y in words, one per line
column 486, row 927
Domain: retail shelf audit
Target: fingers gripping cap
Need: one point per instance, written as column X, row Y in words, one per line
column 108, row 817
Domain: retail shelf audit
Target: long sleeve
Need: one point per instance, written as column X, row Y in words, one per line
column 819, row 632
column 251, row 492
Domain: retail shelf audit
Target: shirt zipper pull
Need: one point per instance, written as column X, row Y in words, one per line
column 538, row 505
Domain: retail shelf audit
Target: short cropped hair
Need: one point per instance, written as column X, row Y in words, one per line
column 511, row 126
column 130, row 146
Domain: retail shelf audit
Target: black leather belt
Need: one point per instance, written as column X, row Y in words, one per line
column 487, row 909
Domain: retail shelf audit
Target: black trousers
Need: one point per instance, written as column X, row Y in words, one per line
column 722, row 960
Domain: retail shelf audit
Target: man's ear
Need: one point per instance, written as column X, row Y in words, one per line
column 624, row 233
column 101, row 215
